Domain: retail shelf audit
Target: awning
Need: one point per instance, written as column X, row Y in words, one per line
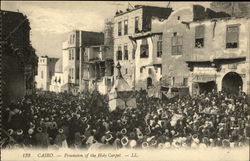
column 203, row 78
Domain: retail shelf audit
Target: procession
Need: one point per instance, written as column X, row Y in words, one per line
column 57, row 121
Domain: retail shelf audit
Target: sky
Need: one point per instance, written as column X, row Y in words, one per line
column 50, row 21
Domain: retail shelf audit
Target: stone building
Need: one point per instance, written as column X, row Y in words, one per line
column 176, row 49
column 128, row 23
column 45, row 71
column 73, row 50
column 220, row 58
column 148, row 61
column 57, row 80
column 19, row 61
column 98, row 68
column 179, row 44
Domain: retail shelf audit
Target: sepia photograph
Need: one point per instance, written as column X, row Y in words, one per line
column 125, row 80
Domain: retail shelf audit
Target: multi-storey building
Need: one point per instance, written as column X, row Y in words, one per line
column 19, row 61
column 98, row 68
column 73, row 50
column 127, row 24
column 148, row 62
column 221, row 55
column 186, row 43
column 45, row 71
column 176, row 49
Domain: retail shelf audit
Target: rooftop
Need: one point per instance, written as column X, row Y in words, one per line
column 136, row 7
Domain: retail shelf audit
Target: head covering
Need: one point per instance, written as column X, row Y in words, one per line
column 39, row 129
column 132, row 143
column 10, row 131
column 30, row 131
column 19, row 132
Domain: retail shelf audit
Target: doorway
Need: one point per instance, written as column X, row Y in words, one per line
column 207, row 87
column 232, row 82
column 149, row 82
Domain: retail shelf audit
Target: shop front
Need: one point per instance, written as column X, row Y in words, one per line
column 229, row 75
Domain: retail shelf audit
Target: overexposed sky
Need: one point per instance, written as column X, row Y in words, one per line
column 51, row 20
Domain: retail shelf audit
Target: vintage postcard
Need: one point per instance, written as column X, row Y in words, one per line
column 126, row 80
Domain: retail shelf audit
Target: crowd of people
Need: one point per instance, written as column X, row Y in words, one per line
column 83, row 121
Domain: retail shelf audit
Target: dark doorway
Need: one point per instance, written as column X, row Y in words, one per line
column 207, row 87
column 149, row 82
column 231, row 82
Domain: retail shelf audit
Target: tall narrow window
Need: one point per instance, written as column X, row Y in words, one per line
column 72, row 76
column 185, row 81
column 119, row 28
column 69, row 54
column 70, row 73
column 119, row 53
column 199, row 36
column 173, row 80
column 149, row 71
column 141, row 70
column 72, row 54
column 144, row 49
column 125, row 27
column 77, row 54
column 232, row 36
column 176, row 45
column 159, row 46
column 125, row 52
column 73, row 39
column 136, row 24
column 77, row 73
column 42, row 74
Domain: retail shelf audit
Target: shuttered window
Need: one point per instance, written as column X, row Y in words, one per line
column 119, row 28
column 125, row 27
column 232, row 36
column 125, row 52
column 199, row 36
column 177, row 45
column 144, row 49
column 119, row 53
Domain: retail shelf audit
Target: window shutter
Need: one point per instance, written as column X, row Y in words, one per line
column 199, row 32
column 232, row 34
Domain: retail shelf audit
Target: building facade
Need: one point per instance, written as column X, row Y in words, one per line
column 176, row 49
column 221, row 54
column 45, row 71
column 129, row 23
column 57, row 80
column 73, row 50
column 148, row 60
column 19, row 61
column 98, row 68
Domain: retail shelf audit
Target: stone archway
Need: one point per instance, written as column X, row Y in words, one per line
column 232, row 82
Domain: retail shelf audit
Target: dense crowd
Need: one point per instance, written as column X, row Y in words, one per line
column 51, row 120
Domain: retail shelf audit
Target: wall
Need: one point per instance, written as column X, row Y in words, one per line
column 147, row 63
column 175, row 65
column 46, row 65
column 215, row 46
column 122, row 40
column 13, row 84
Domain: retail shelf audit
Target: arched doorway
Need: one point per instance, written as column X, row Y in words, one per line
column 149, row 82
column 231, row 82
